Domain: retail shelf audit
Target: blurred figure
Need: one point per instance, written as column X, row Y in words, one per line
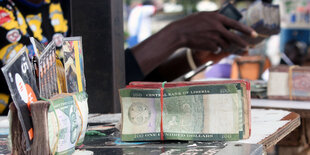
column 295, row 29
column 139, row 22
column 294, row 53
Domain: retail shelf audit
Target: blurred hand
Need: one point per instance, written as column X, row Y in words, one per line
column 209, row 30
column 204, row 31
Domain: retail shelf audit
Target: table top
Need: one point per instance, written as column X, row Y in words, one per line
column 280, row 104
column 268, row 127
column 300, row 107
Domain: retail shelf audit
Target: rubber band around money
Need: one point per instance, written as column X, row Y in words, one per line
column 78, row 107
column 161, row 110
column 58, row 130
column 290, row 81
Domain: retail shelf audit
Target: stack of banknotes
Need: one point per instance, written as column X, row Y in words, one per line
column 289, row 83
column 67, row 122
column 59, row 125
column 198, row 111
column 264, row 18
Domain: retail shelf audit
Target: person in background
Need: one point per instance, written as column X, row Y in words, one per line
column 294, row 53
column 295, row 31
column 139, row 22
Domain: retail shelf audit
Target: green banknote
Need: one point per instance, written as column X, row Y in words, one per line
column 67, row 122
column 244, row 91
column 202, row 112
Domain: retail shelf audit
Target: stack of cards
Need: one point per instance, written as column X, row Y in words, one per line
column 47, row 71
column 73, row 63
column 19, row 76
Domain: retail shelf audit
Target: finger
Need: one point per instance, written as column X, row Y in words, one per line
column 238, row 26
column 221, row 41
column 212, row 46
column 233, row 38
column 203, row 42
column 206, row 45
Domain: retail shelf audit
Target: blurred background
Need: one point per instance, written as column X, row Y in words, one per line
column 292, row 42
column 290, row 47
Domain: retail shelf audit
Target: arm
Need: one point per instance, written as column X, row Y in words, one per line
column 177, row 64
column 205, row 31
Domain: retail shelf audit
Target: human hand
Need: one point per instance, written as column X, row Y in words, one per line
column 208, row 31
column 204, row 31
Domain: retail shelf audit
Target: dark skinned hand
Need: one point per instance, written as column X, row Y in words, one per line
column 210, row 30
column 204, row 31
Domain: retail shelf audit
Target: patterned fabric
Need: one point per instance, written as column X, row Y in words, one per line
column 21, row 19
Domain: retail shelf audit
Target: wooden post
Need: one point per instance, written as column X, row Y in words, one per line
column 100, row 23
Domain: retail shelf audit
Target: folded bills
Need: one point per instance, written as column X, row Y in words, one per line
column 289, row 83
column 264, row 18
column 199, row 111
column 59, row 125
column 67, row 122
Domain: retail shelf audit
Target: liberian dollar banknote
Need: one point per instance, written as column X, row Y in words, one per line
column 243, row 87
column 198, row 112
column 67, row 122
column 289, row 83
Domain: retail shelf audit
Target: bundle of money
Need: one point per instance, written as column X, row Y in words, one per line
column 43, row 79
column 199, row 111
column 258, row 89
column 289, row 83
column 264, row 18
column 59, row 125
column 67, row 122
